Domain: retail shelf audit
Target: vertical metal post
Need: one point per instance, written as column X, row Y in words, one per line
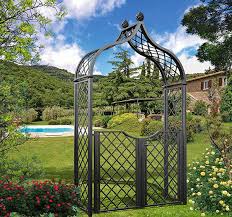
column 183, row 150
column 90, row 88
column 96, row 172
column 143, row 148
column 140, row 172
column 165, row 191
column 179, row 164
column 76, row 134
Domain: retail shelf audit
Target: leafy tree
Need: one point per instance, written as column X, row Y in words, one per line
column 10, row 101
column 200, row 108
column 226, row 104
column 149, row 70
column 20, row 21
column 212, row 21
column 128, row 82
column 122, row 65
column 33, row 86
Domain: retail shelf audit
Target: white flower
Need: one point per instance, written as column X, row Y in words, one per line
column 198, row 179
column 202, row 214
column 217, row 211
column 202, row 173
column 212, row 152
column 191, row 208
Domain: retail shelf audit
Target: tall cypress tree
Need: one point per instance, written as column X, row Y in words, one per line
column 122, row 63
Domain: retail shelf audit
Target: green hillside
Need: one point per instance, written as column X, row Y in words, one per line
column 41, row 86
column 55, row 72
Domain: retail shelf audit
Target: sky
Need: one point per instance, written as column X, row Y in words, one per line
column 91, row 24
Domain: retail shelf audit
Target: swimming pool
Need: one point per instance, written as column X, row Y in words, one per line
column 47, row 130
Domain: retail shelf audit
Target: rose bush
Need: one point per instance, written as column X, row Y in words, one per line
column 36, row 198
column 210, row 184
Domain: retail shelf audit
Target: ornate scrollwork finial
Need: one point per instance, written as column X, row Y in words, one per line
column 125, row 24
column 140, row 16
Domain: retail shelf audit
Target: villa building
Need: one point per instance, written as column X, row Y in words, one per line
column 201, row 88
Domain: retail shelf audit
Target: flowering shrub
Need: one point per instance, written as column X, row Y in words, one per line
column 36, row 198
column 26, row 167
column 210, row 184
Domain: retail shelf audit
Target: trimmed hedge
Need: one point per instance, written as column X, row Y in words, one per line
column 127, row 122
column 65, row 121
column 149, row 127
column 102, row 121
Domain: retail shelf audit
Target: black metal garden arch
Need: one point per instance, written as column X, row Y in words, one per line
column 118, row 171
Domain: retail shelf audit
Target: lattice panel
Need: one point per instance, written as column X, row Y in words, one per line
column 117, row 171
column 174, row 126
column 141, row 43
column 84, row 67
column 154, row 170
column 174, row 108
column 161, row 169
column 82, row 110
column 173, row 165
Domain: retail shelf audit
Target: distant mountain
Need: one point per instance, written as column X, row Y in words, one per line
column 55, row 72
column 42, row 85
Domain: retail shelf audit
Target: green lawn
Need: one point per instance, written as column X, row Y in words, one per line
column 228, row 125
column 57, row 156
column 56, row 153
column 164, row 211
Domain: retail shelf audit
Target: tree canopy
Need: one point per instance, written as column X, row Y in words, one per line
column 34, row 86
column 127, row 82
column 226, row 104
column 20, row 21
column 212, row 21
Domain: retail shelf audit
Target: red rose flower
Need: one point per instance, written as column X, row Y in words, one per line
column 48, row 207
column 56, row 187
column 9, row 198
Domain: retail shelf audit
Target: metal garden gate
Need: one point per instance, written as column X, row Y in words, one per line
column 118, row 171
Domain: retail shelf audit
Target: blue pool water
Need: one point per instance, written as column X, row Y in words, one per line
column 31, row 129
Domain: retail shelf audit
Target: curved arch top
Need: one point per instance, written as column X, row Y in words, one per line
column 138, row 38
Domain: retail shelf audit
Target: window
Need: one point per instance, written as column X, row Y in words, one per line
column 223, row 81
column 205, row 85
